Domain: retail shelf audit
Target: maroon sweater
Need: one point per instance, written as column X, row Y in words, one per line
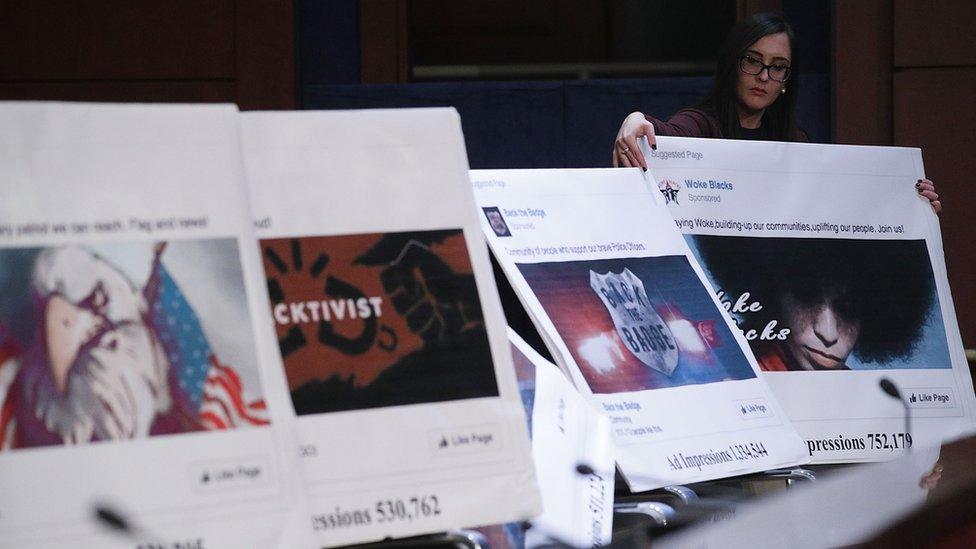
column 694, row 122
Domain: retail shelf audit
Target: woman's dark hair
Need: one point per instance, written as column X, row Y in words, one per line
column 721, row 101
column 885, row 285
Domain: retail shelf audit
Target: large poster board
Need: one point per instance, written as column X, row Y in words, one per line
column 832, row 265
column 622, row 305
column 388, row 322
column 137, row 366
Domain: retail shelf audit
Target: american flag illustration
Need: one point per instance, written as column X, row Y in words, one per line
column 208, row 388
column 8, row 352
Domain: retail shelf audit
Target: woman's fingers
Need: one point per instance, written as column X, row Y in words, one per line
column 634, row 153
column 624, row 161
column 651, row 139
column 622, row 154
column 926, row 188
column 626, row 150
column 627, row 153
column 933, row 199
column 647, row 130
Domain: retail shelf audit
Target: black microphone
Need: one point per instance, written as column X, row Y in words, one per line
column 891, row 390
column 115, row 520
column 584, row 469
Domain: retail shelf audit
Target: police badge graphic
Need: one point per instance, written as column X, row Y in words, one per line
column 642, row 329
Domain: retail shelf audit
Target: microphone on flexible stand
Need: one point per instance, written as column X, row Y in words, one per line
column 891, row 390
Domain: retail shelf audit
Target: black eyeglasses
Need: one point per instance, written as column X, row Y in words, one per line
column 750, row 65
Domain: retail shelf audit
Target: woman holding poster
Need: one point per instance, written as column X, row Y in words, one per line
column 749, row 99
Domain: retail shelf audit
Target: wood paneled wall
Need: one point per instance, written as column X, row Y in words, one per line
column 239, row 51
column 905, row 74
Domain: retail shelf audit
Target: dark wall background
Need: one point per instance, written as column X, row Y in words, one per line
column 905, row 74
column 236, row 51
column 551, row 123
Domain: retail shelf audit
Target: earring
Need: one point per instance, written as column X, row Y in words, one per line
column 783, row 90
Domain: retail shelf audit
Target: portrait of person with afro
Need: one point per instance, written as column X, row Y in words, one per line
column 822, row 301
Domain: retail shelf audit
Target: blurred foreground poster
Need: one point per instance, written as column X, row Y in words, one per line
column 389, row 327
column 138, row 369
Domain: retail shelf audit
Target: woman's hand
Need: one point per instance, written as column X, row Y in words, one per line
column 626, row 151
column 927, row 189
